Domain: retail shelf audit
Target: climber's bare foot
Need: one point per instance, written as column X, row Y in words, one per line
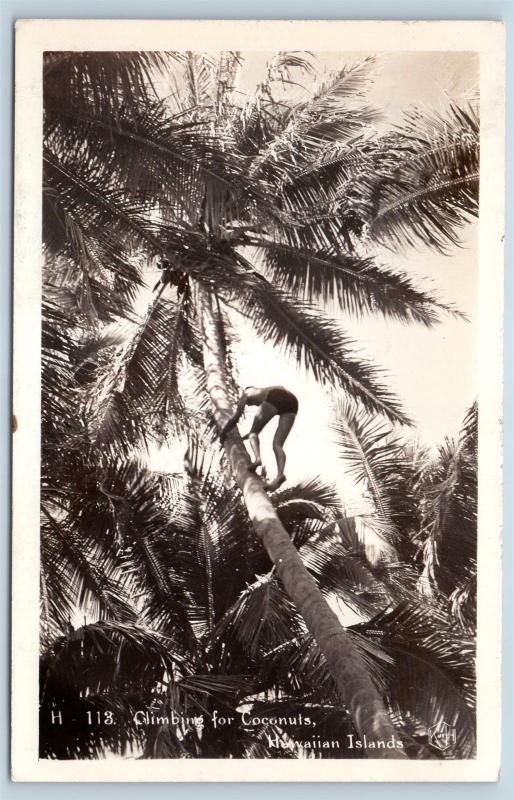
column 254, row 465
column 273, row 485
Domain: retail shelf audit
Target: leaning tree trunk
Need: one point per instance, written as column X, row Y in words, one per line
column 346, row 666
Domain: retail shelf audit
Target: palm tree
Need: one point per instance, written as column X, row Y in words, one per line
column 447, row 490
column 424, row 505
column 266, row 207
column 424, row 518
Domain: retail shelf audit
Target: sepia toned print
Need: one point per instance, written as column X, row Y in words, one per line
column 262, row 415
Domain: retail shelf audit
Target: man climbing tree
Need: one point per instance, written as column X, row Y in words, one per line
column 272, row 401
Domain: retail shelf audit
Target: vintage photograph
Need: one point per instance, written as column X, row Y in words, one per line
column 259, row 404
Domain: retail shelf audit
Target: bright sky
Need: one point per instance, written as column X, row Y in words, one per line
column 431, row 370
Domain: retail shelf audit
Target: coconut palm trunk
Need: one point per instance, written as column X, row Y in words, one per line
column 348, row 670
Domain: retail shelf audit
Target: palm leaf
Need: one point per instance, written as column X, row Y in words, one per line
column 143, row 387
column 316, row 342
column 88, row 572
column 261, row 618
column 436, row 192
column 372, row 455
column 432, row 670
column 448, row 492
column 358, row 285
column 150, row 539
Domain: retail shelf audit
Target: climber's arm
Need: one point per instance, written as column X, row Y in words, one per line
column 236, row 415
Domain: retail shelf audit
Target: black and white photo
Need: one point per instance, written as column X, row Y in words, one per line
column 267, row 460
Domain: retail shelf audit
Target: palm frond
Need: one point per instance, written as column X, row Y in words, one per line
column 372, row 455
column 304, row 505
column 86, row 572
column 61, row 407
column 109, row 79
column 449, row 501
column 357, row 284
column 435, row 191
column 83, row 658
column 347, row 82
column 261, row 618
column 316, row 342
column 463, row 600
column 150, row 538
column 432, row 673
column 85, row 191
column 102, row 673
column 344, row 576
column 313, row 491
column 144, row 383
column 469, row 431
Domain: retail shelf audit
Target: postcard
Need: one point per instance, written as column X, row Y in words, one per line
column 258, row 298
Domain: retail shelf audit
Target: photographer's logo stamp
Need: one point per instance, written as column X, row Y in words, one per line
column 442, row 735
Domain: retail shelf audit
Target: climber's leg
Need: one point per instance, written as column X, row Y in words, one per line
column 264, row 413
column 285, row 423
